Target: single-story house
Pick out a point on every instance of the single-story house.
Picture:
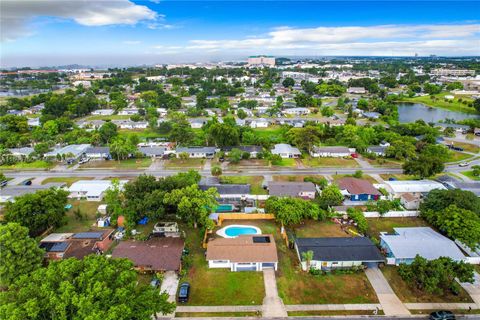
(333, 152)
(91, 124)
(356, 90)
(33, 122)
(103, 112)
(75, 151)
(413, 186)
(358, 189)
(128, 112)
(21, 152)
(157, 254)
(259, 123)
(296, 111)
(197, 152)
(410, 201)
(252, 150)
(406, 243)
(305, 190)
(153, 151)
(129, 124)
(243, 253)
(334, 253)
(286, 151)
(372, 115)
(229, 191)
(92, 190)
(98, 153)
(85, 243)
(197, 123)
(55, 245)
(377, 150)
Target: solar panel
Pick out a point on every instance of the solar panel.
(87, 235)
(261, 239)
(54, 246)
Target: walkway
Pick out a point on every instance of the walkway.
(473, 289)
(218, 309)
(364, 164)
(272, 304)
(391, 304)
(331, 307)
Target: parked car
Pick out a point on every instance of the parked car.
(84, 160)
(184, 292)
(442, 315)
(3, 183)
(463, 164)
(27, 182)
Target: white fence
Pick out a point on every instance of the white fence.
(392, 214)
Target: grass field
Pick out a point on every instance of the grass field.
(470, 175)
(286, 162)
(119, 165)
(215, 314)
(440, 102)
(35, 165)
(333, 313)
(187, 163)
(407, 293)
(67, 180)
(294, 178)
(330, 162)
(466, 146)
(377, 225)
(251, 163)
(88, 210)
(398, 176)
(382, 162)
(364, 177)
(455, 156)
(314, 229)
(275, 133)
(254, 181)
(219, 286)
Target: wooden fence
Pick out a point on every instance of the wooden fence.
(244, 216)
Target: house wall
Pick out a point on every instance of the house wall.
(307, 194)
(363, 197)
(236, 266)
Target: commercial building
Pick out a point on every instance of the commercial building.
(261, 61)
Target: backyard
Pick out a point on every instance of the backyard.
(81, 217)
(377, 225)
(406, 293)
(313, 229)
(254, 181)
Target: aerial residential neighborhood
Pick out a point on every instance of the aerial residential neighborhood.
(239, 160)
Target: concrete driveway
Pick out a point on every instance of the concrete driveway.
(170, 285)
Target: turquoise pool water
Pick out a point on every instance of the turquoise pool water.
(236, 231)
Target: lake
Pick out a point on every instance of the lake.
(411, 112)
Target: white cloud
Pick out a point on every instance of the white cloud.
(357, 40)
(131, 42)
(16, 14)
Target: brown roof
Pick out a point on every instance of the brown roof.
(243, 249)
(158, 254)
(291, 189)
(409, 196)
(357, 186)
(80, 249)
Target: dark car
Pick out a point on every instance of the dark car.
(3, 183)
(442, 315)
(27, 182)
(184, 292)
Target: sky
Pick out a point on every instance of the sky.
(130, 32)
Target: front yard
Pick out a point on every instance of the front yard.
(113, 164)
(294, 178)
(67, 180)
(407, 293)
(35, 165)
(187, 163)
(377, 225)
(330, 162)
(383, 162)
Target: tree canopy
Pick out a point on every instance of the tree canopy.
(293, 210)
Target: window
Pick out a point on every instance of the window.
(220, 261)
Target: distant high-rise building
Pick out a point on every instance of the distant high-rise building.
(261, 61)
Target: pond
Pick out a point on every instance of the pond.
(411, 112)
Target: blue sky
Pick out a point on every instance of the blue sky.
(128, 32)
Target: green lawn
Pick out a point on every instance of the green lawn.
(377, 225)
(254, 181)
(383, 162)
(470, 175)
(364, 177)
(123, 164)
(294, 178)
(251, 163)
(456, 156)
(211, 287)
(187, 163)
(407, 293)
(333, 313)
(286, 162)
(466, 146)
(143, 134)
(440, 102)
(88, 210)
(314, 229)
(67, 180)
(330, 162)
(398, 176)
(275, 132)
(38, 164)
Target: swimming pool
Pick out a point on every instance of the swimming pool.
(236, 230)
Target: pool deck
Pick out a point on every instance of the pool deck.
(222, 232)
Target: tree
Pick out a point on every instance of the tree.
(456, 223)
(476, 170)
(121, 148)
(38, 211)
(19, 253)
(288, 82)
(183, 156)
(436, 276)
(241, 114)
(290, 211)
(360, 220)
(476, 104)
(193, 205)
(108, 131)
(358, 174)
(95, 287)
(181, 131)
(308, 257)
(423, 166)
(223, 134)
(235, 155)
(216, 171)
(331, 196)
(437, 200)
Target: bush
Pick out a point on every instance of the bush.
(360, 220)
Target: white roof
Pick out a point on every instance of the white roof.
(56, 237)
(417, 186)
(92, 188)
(285, 148)
(75, 149)
(431, 245)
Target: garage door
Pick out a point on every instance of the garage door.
(246, 267)
(268, 265)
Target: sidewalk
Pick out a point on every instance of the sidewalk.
(320, 307)
(391, 304)
(272, 304)
(473, 289)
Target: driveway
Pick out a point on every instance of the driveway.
(391, 304)
(272, 304)
(170, 285)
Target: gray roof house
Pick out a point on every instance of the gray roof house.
(332, 253)
(304, 190)
(406, 243)
(98, 152)
(286, 151)
(152, 151)
(75, 150)
(377, 150)
(231, 191)
(21, 152)
(197, 152)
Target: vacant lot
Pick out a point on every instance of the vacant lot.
(113, 164)
(81, 217)
(377, 225)
(330, 162)
(67, 180)
(254, 181)
(365, 177)
(187, 163)
(35, 165)
(251, 163)
(219, 286)
(406, 293)
(286, 162)
(314, 229)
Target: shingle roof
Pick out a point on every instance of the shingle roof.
(357, 186)
(97, 150)
(340, 249)
(242, 249)
(195, 149)
(157, 253)
(291, 189)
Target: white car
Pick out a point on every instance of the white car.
(463, 164)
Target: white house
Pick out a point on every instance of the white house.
(197, 123)
(413, 186)
(243, 253)
(103, 112)
(128, 112)
(356, 90)
(296, 111)
(332, 152)
(129, 124)
(91, 190)
(197, 152)
(259, 123)
(286, 151)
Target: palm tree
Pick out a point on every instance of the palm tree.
(308, 257)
